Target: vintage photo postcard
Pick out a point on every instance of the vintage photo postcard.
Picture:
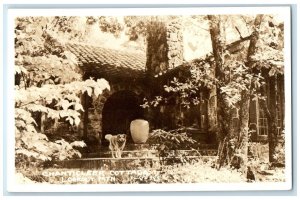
(185, 99)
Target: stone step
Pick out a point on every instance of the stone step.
(132, 146)
(153, 153)
(133, 163)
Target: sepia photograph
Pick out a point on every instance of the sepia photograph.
(152, 99)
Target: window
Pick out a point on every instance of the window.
(278, 115)
(212, 111)
(262, 123)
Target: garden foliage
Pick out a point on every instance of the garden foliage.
(48, 86)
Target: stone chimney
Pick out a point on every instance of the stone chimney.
(164, 46)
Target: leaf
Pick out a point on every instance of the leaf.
(53, 114)
(64, 113)
(65, 104)
(89, 91)
(78, 106)
(20, 124)
(77, 121)
(103, 84)
(44, 158)
(62, 157)
(71, 121)
(97, 91)
(90, 82)
(78, 144)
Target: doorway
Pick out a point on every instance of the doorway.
(119, 110)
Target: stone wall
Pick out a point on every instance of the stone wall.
(95, 108)
(164, 52)
(164, 46)
(174, 44)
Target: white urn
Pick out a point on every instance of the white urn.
(139, 130)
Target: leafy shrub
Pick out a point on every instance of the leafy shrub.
(31, 143)
(168, 142)
(48, 85)
(35, 149)
(171, 140)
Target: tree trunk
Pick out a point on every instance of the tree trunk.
(223, 111)
(272, 122)
(269, 108)
(245, 98)
(244, 128)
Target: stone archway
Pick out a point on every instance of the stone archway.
(118, 111)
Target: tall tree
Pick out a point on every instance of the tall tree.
(233, 89)
(224, 119)
(246, 92)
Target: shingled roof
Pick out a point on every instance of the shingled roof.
(108, 62)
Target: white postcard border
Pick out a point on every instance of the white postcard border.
(9, 99)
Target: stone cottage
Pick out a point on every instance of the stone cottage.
(131, 77)
(134, 77)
